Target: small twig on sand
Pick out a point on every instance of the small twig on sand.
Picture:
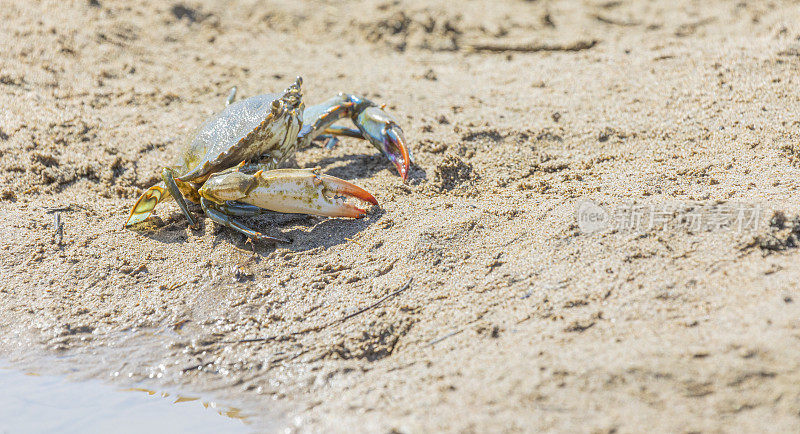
(533, 47)
(59, 225)
(58, 209)
(372, 306)
(449, 335)
(334, 322)
(614, 21)
(58, 237)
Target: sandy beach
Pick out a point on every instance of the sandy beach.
(599, 232)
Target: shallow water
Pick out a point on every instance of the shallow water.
(32, 403)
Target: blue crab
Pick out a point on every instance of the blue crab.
(230, 166)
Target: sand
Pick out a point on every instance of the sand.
(516, 318)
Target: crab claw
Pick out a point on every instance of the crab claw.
(382, 131)
(302, 191)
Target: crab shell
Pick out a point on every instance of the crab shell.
(265, 126)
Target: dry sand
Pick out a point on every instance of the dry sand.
(516, 319)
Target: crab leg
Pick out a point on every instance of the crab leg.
(215, 213)
(331, 133)
(239, 209)
(146, 203)
(168, 188)
(338, 130)
(168, 176)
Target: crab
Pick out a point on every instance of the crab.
(231, 165)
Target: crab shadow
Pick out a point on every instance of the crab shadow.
(324, 232)
(359, 166)
(305, 232)
(352, 166)
(173, 229)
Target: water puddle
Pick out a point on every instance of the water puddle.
(45, 403)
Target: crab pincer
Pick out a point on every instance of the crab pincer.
(302, 191)
(382, 131)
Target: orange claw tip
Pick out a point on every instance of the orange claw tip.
(402, 169)
(358, 213)
(343, 210)
(369, 198)
(398, 153)
(347, 188)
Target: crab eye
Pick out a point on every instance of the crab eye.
(277, 105)
(295, 87)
